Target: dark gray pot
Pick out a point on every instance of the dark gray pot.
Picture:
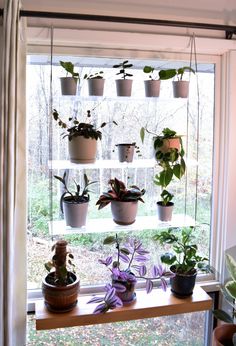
(180, 88)
(96, 86)
(152, 88)
(75, 213)
(68, 85)
(182, 285)
(125, 151)
(164, 212)
(124, 87)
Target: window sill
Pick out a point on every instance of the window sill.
(155, 304)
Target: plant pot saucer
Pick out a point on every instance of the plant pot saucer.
(123, 223)
(71, 307)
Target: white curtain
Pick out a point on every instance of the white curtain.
(12, 179)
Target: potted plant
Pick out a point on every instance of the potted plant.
(225, 334)
(82, 137)
(60, 287)
(180, 87)
(124, 201)
(121, 290)
(74, 205)
(95, 83)
(124, 86)
(183, 261)
(69, 83)
(126, 151)
(169, 153)
(152, 85)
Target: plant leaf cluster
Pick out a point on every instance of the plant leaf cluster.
(119, 192)
(69, 67)
(80, 195)
(184, 257)
(61, 262)
(123, 67)
(76, 128)
(96, 75)
(171, 73)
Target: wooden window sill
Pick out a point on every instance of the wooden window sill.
(155, 304)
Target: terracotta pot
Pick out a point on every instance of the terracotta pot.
(82, 150)
(180, 88)
(182, 285)
(124, 87)
(68, 85)
(96, 86)
(152, 88)
(75, 213)
(164, 212)
(125, 151)
(170, 143)
(124, 213)
(223, 334)
(129, 295)
(60, 298)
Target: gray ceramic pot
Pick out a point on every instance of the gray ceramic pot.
(152, 88)
(180, 88)
(124, 213)
(68, 85)
(125, 151)
(75, 213)
(124, 87)
(164, 212)
(96, 86)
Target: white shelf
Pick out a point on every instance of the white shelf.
(108, 225)
(98, 164)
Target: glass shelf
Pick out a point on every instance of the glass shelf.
(105, 225)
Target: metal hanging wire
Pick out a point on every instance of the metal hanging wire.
(50, 130)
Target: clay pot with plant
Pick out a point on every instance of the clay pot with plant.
(153, 83)
(82, 137)
(183, 259)
(124, 85)
(126, 268)
(95, 83)
(60, 287)
(225, 334)
(70, 82)
(180, 87)
(74, 205)
(123, 200)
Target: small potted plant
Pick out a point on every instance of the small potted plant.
(126, 151)
(60, 287)
(183, 261)
(225, 334)
(82, 137)
(74, 205)
(152, 85)
(180, 87)
(69, 83)
(95, 83)
(121, 290)
(124, 201)
(124, 86)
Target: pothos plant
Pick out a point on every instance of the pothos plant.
(172, 161)
(69, 68)
(123, 66)
(76, 128)
(134, 256)
(61, 260)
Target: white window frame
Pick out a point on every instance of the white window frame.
(143, 45)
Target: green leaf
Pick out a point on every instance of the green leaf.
(230, 288)
(148, 69)
(142, 134)
(168, 258)
(124, 251)
(177, 170)
(231, 266)
(48, 266)
(167, 74)
(109, 240)
(223, 316)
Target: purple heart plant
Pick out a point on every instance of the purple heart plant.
(121, 290)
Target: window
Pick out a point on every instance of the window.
(48, 152)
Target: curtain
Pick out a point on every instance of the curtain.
(12, 179)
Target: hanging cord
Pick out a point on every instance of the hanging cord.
(50, 175)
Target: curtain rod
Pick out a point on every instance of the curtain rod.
(228, 29)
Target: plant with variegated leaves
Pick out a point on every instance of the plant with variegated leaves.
(134, 256)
